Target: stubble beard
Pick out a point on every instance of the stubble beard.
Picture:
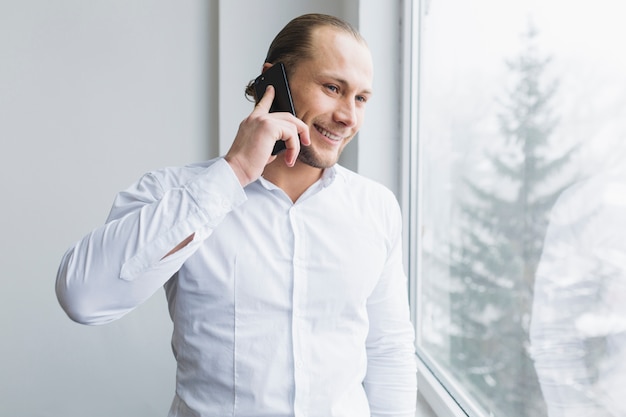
(309, 157)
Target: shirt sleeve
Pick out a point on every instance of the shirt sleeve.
(121, 264)
(391, 380)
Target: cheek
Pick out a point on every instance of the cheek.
(305, 102)
(345, 143)
(359, 123)
(360, 116)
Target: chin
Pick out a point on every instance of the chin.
(309, 157)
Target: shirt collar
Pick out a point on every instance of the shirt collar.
(327, 178)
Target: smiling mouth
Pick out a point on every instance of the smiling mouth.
(328, 134)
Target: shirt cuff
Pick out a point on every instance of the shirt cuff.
(217, 191)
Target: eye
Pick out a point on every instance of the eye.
(361, 99)
(332, 87)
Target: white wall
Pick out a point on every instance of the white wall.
(92, 95)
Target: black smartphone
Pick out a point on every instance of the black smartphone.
(277, 77)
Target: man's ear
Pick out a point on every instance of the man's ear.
(266, 66)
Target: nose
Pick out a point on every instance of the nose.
(346, 112)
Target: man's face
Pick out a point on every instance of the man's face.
(329, 93)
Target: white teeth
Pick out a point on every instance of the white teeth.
(328, 134)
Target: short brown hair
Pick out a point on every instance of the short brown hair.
(293, 43)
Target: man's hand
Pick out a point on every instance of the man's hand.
(252, 148)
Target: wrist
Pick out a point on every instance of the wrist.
(239, 170)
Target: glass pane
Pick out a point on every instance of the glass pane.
(522, 225)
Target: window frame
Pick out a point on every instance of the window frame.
(446, 398)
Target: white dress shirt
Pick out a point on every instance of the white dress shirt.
(279, 308)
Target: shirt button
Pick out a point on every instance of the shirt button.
(299, 364)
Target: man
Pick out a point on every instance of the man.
(283, 274)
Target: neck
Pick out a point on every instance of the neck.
(294, 181)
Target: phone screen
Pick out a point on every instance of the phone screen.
(277, 77)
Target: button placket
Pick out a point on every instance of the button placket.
(298, 313)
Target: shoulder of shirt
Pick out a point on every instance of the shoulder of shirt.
(362, 183)
(371, 199)
(367, 193)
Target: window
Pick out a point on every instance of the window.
(517, 205)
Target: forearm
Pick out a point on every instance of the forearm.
(122, 263)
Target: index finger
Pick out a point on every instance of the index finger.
(265, 103)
